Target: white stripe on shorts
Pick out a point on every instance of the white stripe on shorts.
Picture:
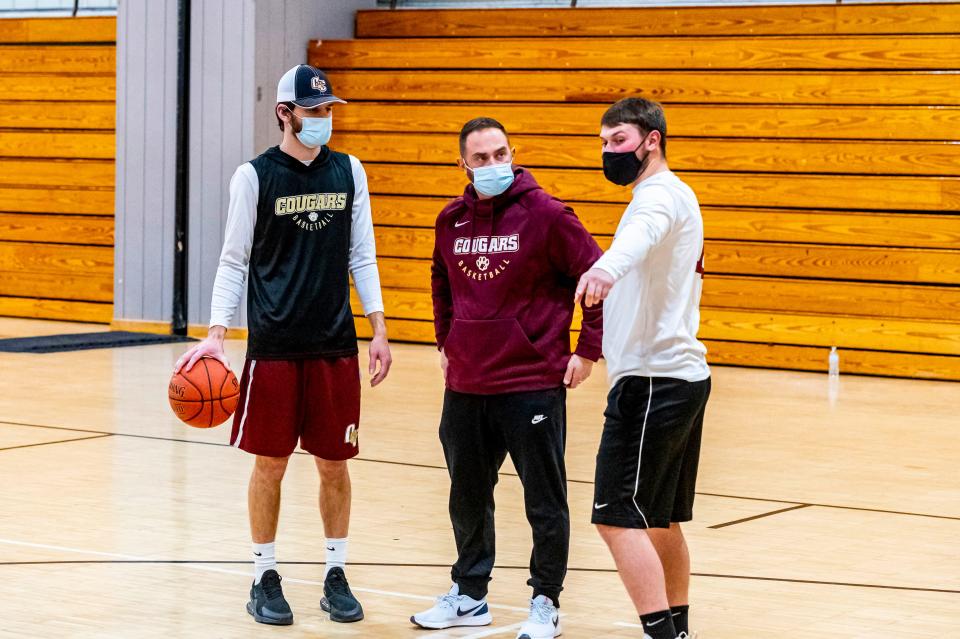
(246, 403)
(636, 484)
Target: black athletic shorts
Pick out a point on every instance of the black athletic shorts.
(647, 463)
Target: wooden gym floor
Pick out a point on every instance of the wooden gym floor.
(822, 510)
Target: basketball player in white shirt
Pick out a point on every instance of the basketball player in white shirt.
(650, 281)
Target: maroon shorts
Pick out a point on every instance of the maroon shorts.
(315, 401)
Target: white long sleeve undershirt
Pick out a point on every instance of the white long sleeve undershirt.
(238, 240)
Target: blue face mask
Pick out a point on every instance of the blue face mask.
(492, 180)
(315, 132)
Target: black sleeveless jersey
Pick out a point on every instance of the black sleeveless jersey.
(298, 298)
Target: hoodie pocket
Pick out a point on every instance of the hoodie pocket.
(487, 350)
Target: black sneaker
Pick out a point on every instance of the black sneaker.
(267, 604)
(338, 600)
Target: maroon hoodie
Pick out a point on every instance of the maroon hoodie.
(504, 274)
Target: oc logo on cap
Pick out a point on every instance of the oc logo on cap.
(307, 87)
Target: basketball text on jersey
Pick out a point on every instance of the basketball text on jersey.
(312, 211)
(481, 268)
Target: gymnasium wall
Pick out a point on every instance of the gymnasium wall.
(56, 168)
(283, 28)
(222, 128)
(221, 134)
(239, 50)
(823, 142)
(146, 126)
(274, 34)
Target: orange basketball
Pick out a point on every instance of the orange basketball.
(206, 395)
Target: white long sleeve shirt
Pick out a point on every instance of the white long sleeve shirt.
(238, 239)
(652, 314)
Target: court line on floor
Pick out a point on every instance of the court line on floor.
(376, 564)
(760, 516)
(817, 582)
(430, 466)
(244, 573)
(477, 635)
(59, 441)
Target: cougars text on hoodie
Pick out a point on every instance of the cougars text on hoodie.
(503, 277)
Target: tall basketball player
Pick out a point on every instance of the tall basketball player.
(650, 448)
(299, 223)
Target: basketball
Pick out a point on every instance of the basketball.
(206, 395)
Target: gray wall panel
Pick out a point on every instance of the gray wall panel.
(158, 146)
(221, 133)
(146, 119)
(283, 30)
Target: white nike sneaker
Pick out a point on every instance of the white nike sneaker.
(543, 622)
(454, 609)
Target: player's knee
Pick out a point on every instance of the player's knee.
(332, 471)
(271, 469)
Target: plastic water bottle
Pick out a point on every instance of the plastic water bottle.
(833, 361)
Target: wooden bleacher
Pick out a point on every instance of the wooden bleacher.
(57, 102)
(823, 142)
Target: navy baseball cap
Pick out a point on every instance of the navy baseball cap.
(306, 86)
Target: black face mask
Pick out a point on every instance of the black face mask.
(624, 167)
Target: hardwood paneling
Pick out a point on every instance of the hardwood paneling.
(58, 30)
(816, 330)
(69, 59)
(782, 356)
(759, 258)
(766, 326)
(814, 358)
(905, 193)
(771, 225)
(58, 144)
(941, 88)
(44, 200)
(57, 173)
(93, 261)
(692, 120)
(62, 229)
(52, 87)
(22, 283)
(57, 115)
(696, 154)
(865, 299)
(666, 21)
(54, 309)
(815, 52)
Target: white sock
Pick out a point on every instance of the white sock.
(336, 554)
(264, 559)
